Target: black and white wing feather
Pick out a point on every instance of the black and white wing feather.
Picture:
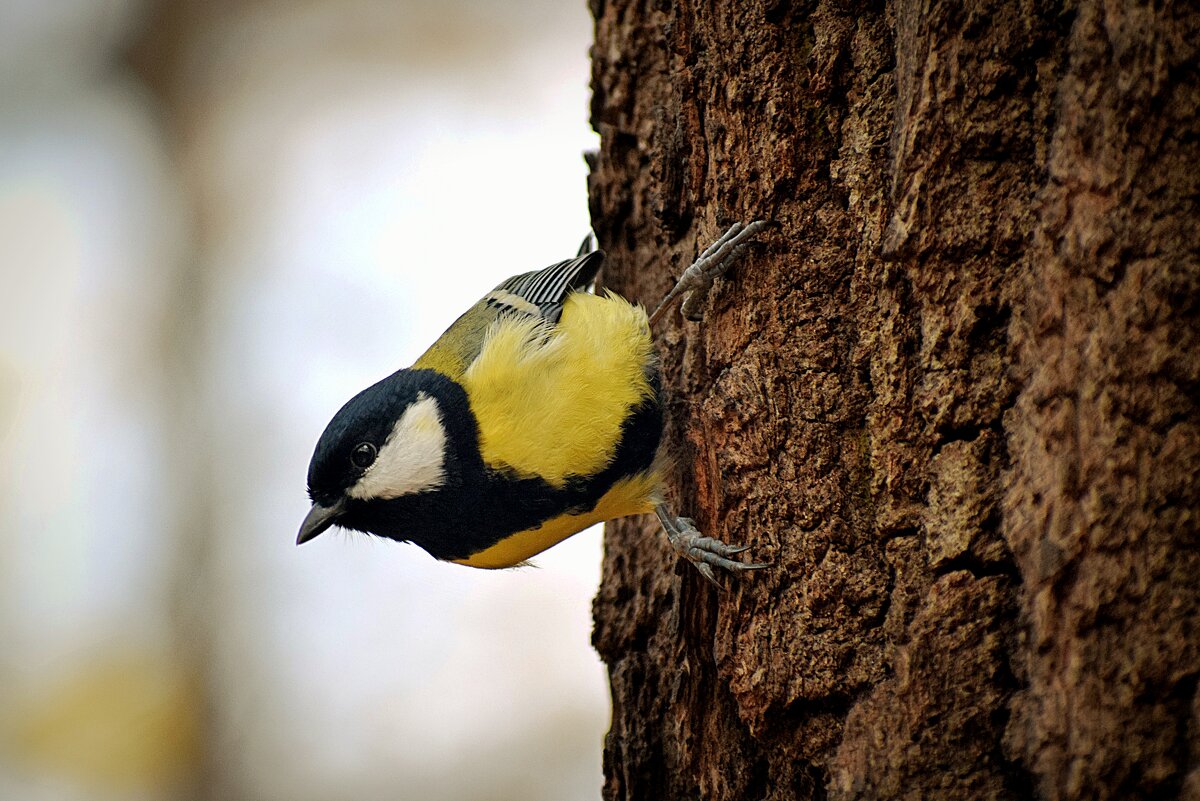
(547, 289)
(539, 294)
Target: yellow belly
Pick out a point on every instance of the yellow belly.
(629, 496)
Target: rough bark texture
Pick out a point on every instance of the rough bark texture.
(953, 395)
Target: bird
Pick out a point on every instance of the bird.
(538, 413)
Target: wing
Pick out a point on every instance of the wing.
(536, 296)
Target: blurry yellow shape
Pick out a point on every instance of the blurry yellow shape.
(124, 724)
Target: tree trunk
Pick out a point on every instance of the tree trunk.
(953, 396)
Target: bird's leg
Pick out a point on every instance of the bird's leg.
(703, 552)
(713, 262)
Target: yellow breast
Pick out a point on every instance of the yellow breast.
(551, 400)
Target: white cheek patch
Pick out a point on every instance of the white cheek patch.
(413, 457)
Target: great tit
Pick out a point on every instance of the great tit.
(535, 415)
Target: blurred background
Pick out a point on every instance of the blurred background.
(218, 221)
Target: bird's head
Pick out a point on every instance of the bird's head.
(388, 442)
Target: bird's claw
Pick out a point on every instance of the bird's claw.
(702, 551)
(698, 279)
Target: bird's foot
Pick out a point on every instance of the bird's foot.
(703, 552)
(698, 279)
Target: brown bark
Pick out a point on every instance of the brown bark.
(953, 396)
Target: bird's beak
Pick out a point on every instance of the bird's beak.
(318, 519)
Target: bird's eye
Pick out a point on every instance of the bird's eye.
(363, 455)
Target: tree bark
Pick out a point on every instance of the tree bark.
(952, 395)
